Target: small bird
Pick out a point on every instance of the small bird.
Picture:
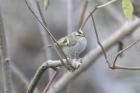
(73, 44)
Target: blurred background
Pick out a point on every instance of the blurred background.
(25, 46)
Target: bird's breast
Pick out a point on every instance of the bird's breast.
(77, 49)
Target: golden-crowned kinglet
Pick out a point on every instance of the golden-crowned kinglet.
(73, 44)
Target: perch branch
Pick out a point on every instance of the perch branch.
(48, 64)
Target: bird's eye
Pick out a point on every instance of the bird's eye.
(66, 42)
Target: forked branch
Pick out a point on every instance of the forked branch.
(113, 66)
(96, 7)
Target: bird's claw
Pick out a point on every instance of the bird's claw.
(75, 64)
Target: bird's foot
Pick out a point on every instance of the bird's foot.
(75, 64)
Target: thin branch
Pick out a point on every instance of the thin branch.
(43, 33)
(126, 68)
(69, 16)
(40, 13)
(48, 64)
(119, 19)
(118, 54)
(50, 82)
(92, 56)
(106, 4)
(98, 41)
(114, 12)
(4, 58)
(51, 36)
(96, 8)
(83, 14)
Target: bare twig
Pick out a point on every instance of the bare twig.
(4, 58)
(40, 13)
(91, 57)
(106, 4)
(118, 54)
(50, 82)
(82, 14)
(98, 41)
(114, 12)
(43, 33)
(119, 19)
(96, 8)
(69, 16)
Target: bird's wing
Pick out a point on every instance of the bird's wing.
(67, 41)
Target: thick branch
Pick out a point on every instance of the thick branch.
(91, 57)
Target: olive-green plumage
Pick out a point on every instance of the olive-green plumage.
(73, 44)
